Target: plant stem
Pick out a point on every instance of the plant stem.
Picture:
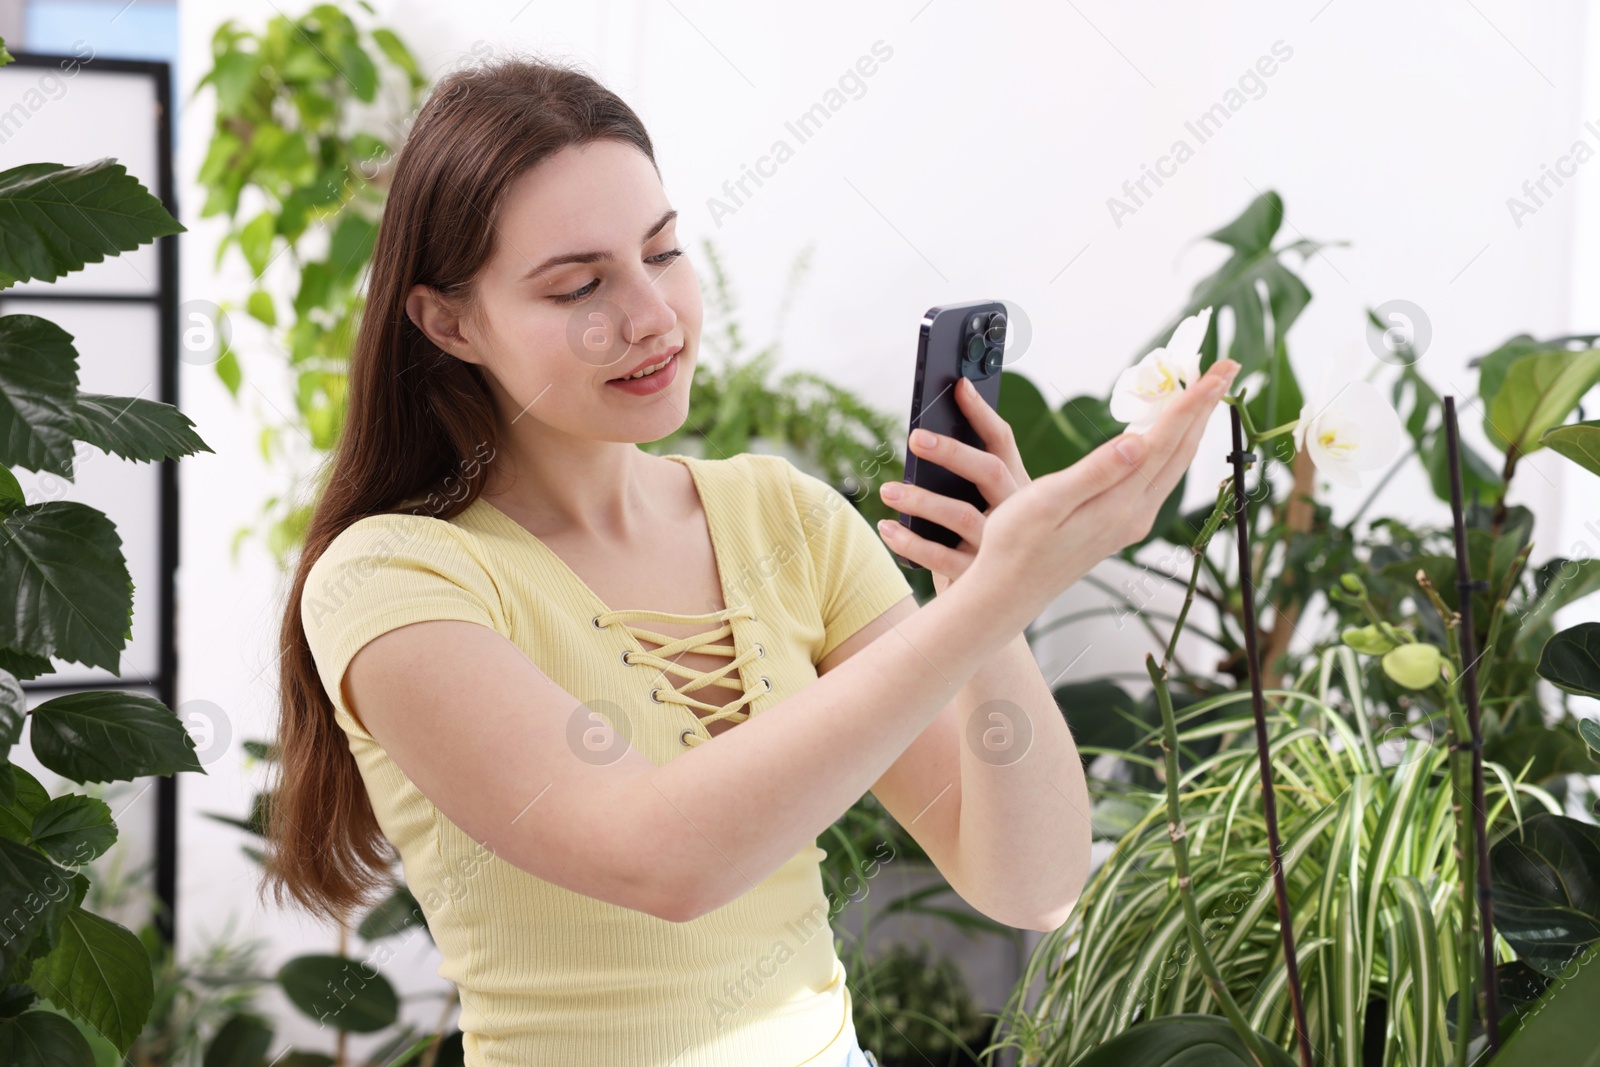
(1180, 858)
(1269, 806)
(1469, 681)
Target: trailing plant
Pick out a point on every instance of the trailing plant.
(66, 972)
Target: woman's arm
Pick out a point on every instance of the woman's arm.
(482, 732)
(1000, 805)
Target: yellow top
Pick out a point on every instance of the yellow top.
(546, 975)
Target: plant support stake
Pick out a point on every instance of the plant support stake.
(1269, 805)
(1469, 681)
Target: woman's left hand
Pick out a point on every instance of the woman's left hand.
(996, 470)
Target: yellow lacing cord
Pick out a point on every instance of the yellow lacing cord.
(663, 659)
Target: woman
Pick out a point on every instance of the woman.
(517, 645)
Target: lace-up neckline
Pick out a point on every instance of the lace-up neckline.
(664, 659)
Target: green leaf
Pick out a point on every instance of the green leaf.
(1236, 284)
(228, 370)
(261, 308)
(11, 494)
(38, 386)
(397, 52)
(1569, 580)
(350, 246)
(43, 1039)
(142, 430)
(357, 67)
(1564, 1029)
(1519, 988)
(1571, 659)
(55, 219)
(18, 810)
(1589, 730)
(106, 736)
(13, 713)
(61, 566)
(99, 973)
(74, 829)
(1478, 478)
(7, 57)
(234, 76)
(1546, 885)
(1546, 752)
(1578, 441)
(1539, 392)
(35, 894)
(364, 1002)
(242, 1041)
(255, 241)
(1180, 1041)
(398, 912)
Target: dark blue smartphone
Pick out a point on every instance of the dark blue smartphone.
(956, 341)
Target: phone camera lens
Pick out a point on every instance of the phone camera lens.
(997, 328)
(976, 349)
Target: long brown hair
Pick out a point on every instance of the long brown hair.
(417, 422)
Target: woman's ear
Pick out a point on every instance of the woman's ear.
(440, 323)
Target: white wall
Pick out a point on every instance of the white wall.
(978, 163)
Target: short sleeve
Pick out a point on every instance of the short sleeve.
(854, 575)
(383, 572)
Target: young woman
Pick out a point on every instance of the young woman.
(601, 703)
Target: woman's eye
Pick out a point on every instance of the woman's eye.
(577, 294)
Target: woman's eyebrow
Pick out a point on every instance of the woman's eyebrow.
(596, 257)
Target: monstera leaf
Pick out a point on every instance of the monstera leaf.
(1180, 1041)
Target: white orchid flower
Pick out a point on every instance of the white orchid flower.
(1354, 431)
(1143, 391)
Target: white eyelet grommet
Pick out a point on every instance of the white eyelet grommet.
(625, 654)
(653, 696)
(760, 652)
(683, 738)
(596, 621)
(768, 682)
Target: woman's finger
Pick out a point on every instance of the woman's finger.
(1112, 464)
(1193, 406)
(998, 437)
(941, 559)
(1165, 480)
(955, 515)
(985, 470)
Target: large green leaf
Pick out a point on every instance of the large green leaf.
(1237, 283)
(38, 390)
(99, 973)
(55, 218)
(1546, 884)
(1546, 752)
(1180, 1041)
(1578, 441)
(69, 593)
(109, 736)
(1571, 659)
(25, 801)
(1044, 440)
(34, 896)
(135, 429)
(74, 829)
(43, 1039)
(364, 1002)
(1539, 391)
(1563, 1028)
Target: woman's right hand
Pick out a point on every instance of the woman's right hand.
(1047, 535)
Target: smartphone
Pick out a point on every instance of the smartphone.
(955, 341)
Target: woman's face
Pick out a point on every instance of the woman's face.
(587, 282)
